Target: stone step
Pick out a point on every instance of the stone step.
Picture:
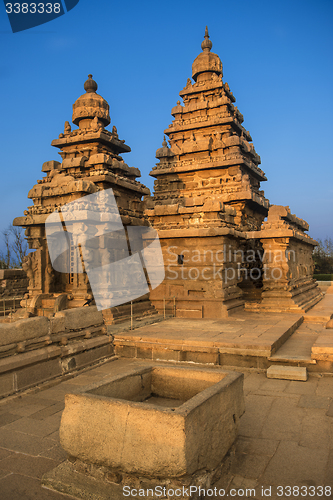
(322, 349)
(287, 372)
(296, 350)
(321, 312)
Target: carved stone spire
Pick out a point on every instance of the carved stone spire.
(206, 44)
(206, 63)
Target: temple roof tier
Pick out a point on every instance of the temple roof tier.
(205, 122)
(86, 136)
(214, 84)
(194, 166)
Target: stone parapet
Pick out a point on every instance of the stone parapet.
(62, 329)
(29, 369)
(13, 283)
(35, 350)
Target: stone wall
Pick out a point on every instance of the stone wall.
(13, 283)
(200, 274)
(38, 349)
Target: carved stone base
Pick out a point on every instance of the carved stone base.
(121, 313)
(297, 298)
(90, 482)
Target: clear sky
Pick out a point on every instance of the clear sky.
(277, 60)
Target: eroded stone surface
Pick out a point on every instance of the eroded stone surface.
(111, 425)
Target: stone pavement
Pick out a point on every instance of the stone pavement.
(285, 437)
(175, 339)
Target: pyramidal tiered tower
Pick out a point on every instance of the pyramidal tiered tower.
(211, 154)
(207, 205)
(91, 162)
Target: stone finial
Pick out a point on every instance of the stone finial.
(164, 151)
(207, 64)
(90, 85)
(206, 44)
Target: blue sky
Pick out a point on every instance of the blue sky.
(277, 60)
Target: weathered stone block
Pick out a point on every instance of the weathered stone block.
(202, 357)
(162, 422)
(189, 313)
(163, 354)
(90, 356)
(287, 372)
(7, 384)
(81, 317)
(32, 375)
(23, 329)
(57, 324)
(125, 351)
(50, 165)
(144, 352)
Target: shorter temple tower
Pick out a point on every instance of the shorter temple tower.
(91, 163)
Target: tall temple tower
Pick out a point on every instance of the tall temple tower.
(211, 154)
(207, 206)
(91, 162)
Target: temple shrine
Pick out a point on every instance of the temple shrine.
(209, 210)
(225, 248)
(91, 163)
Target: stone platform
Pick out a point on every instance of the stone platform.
(285, 422)
(247, 339)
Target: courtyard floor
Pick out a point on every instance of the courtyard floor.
(285, 436)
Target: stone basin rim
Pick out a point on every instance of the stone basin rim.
(183, 409)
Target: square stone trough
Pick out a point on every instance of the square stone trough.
(155, 421)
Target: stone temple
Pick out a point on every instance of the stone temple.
(91, 162)
(225, 247)
(208, 207)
